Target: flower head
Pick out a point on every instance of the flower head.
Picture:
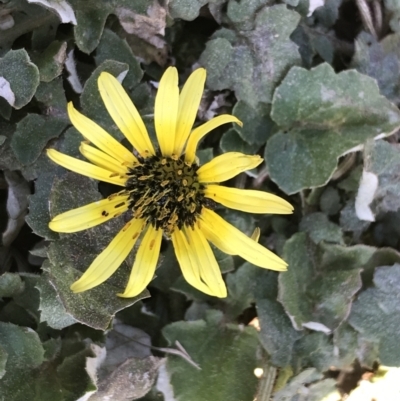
(168, 193)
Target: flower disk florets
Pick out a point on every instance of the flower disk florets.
(165, 191)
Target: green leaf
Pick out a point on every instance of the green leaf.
(277, 334)
(91, 17)
(315, 350)
(73, 254)
(376, 313)
(29, 298)
(323, 389)
(35, 130)
(257, 124)
(25, 352)
(328, 14)
(383, 160)
(317, 294)
(351, 182)
(3, 361)
(24, 18)
(52, 311)
(323, 115)
(346, 343)
(51, 96)
(128, 370)
(10, 285)
(146, 16)
(330, 201)
(232, 142)
(205, 155)
(39, 217)
(299, 275)
(350, 222)
(32, 134)
(19, 78)
(393, 9)
(368, 352)
(242, 13)
(246, 285)
(17, 204)
(379, 60)
(8, 161)
(51, 61)
(298, 385)
(216, 348)
(319, 228)
(216, 58)
(67, 373)
(253, 62)
(74, 373)
(112, 47)
(60, 7)
(187, 10)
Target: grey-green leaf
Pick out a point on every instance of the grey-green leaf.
(323, 115)
(10, 285)
(186, 9)
(51, 61)
(25, 352)
(376, 313)
(319, 228)
(383, 160)
(52, 311)
(216, 348)
(253, 62)
(257, 124)
(314, 293)
(32, 134)
(277, 334)
(19, 78)
(112, 47)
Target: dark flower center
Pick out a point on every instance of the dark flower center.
(166, 192)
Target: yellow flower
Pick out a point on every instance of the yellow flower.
(168, 193)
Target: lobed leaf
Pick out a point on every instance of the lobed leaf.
(322, 116)
(216, 348)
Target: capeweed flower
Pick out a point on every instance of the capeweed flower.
(168, 193)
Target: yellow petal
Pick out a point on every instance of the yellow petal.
(90, 215)
(111, 258)
(255, 236)
(210, 272)
(189, 102)
(189, 267)
(226, 166)
(239, 243)
(214, 237)
(84, 168)
(166, 110)
(248, 200)
(145, 263)
(124, 113)
(102, 159)
(99, 137)
(199, 132)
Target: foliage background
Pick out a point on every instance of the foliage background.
(317, 87)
